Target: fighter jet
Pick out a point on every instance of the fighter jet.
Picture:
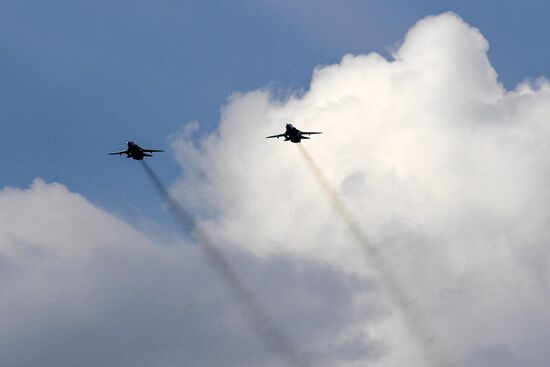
(293, 134)
(136, 152)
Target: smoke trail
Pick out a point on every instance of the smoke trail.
(398, 296)
(273, 339)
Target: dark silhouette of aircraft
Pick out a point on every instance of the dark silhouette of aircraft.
(293, 134)
(136, 152)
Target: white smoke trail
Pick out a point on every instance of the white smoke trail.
(398, 296)
(271, 336)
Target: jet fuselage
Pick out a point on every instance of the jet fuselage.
(292, 134)
(136, 152)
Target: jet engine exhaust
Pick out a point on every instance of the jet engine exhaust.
(397, 295)
(272, 337)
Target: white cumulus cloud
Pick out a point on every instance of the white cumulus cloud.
(80, 287)
(442, 168)
(437, 168)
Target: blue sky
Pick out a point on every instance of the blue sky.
(79, 78)
(411, 232)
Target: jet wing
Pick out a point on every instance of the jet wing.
(152, 150)
(310, 132)
(275, 136)
(120, 152)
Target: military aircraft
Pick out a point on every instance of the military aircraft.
(293, 134)
(136, 152)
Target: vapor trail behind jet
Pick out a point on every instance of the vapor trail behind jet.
(273, 338)
(397, 295)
